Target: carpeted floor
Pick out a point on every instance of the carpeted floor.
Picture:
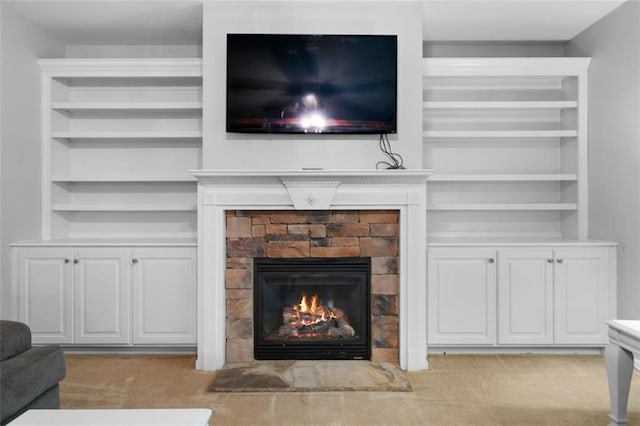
(457, 390)
(310, 376)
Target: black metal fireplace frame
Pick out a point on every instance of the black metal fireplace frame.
(305, 350)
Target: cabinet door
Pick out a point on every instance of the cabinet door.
(461, 296)
(45, 293)
(582, 295)
(102, 302)
(525, 296)
(164, 296)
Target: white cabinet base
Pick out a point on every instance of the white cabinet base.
(461, 296)
(106, 294)
(101, 295)
(44, 285)
(545, 295)
(164, 296)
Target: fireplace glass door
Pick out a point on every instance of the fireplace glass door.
(312, 308)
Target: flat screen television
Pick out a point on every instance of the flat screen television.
(285, 83)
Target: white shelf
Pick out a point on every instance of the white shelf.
(123, 208)
(507, 140)
(505, 207)
(499, 133)
(127, 106)
(186, 134)
(499, 104)
(119, 139)
(109, 242)
(124, 179)
(503, 177)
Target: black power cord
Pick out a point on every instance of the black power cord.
(395, 159)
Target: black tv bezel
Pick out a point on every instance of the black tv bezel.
(393, 130)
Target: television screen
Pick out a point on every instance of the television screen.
(311, 83)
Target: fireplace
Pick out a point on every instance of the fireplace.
(312, 308)
(225, 265)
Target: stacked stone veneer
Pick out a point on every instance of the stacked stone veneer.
(317, 234)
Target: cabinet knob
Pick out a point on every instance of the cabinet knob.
(490, 260)
(550, 260)
(67, 260)
(560, 260)
(134, 260)
(76, 261)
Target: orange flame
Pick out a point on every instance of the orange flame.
(304, 306)
(314, 309)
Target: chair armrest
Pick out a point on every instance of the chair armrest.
(15, 338)
(24, 377)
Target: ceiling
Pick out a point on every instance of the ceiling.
(511, 20)
(179, 22)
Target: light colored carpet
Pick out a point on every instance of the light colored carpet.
(456, 390)
(310, 376)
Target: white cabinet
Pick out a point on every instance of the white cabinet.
(461, 296)
(101, 295)
(164, 296)
(525, 296)
(562, 296)
(45, 293)
(119, 137)
(507, 139)
(528, 296)
(583, 299)
(105, 295)
(71, 295)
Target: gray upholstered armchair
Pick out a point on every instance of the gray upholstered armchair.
(28, 376)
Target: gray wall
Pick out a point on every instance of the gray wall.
(223, 150)
(614, 141)
(491, 49)
(21, 45)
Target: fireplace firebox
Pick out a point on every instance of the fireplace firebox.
(312, 308)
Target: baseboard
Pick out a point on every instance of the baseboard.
(441, 350)
(130, 350)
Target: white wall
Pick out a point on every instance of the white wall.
(614, 141)
(4, 313)
(22, 44)
(232, 151)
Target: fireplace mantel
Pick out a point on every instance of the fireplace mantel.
(223, 190)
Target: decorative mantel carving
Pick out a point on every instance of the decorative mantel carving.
(311, 195)
(223, 190)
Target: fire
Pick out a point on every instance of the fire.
(304, 307)
(311, 314)
(309, 319)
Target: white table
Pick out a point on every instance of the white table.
(100, 417)
(624, 338)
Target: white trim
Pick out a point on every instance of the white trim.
(219, 191)
(504, 66)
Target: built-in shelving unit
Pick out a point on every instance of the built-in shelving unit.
(119, 137)
(507, 140)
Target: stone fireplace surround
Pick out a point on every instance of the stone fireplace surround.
(300, 234)
(223, 191)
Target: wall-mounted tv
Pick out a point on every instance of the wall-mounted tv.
(285, 83)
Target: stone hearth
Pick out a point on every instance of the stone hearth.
(312, 234)
(222, 193)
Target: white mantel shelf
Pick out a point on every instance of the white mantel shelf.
(327, 189)
(314, 175)
(389, 173)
